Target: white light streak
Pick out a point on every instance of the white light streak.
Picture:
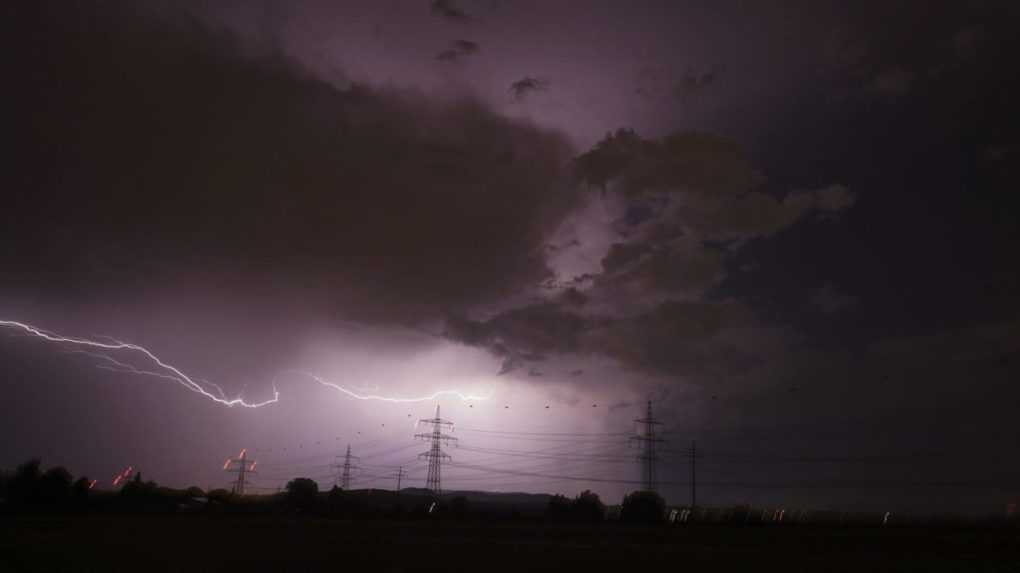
(398, 400)
(169, 370)
(166, 371)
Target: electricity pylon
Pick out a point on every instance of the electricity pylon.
(692, 454)
(435, 454)
(648, 457)
(401, 474)
(344, 470)
(243, 467)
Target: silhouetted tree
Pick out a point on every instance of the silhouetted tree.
(194, 491)
(136, 487)
(558, 508)
(23, 487)
(80, 491)
(220, 495)
(643, 507)
(588, 507)
(301, 492)
(55, 486)
(335, 500)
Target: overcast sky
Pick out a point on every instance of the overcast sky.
(793, 229)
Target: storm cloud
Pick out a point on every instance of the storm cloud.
(154, 151)
(684, 204)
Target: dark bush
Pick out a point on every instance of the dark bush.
(588, 507)
(301, 492)
(643, 507)
(558, 508)
(55, 486)
(24, 485)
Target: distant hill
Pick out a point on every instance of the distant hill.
(493, 497)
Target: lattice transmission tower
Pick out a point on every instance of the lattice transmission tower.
(400, 474)
(343, 478)
(435, 454)
(648, 457)
(243, 467)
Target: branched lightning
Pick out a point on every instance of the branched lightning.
(114, 365)
(166, 371)
(169, 371)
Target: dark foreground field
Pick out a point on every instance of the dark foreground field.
(192, 543)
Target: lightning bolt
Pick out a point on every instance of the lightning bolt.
(168, 370)
(429, 398)
(200, 386)
(114, 365)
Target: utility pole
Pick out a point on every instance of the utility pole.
(400, 475)
(243, 467)
(694, 474)
(435, 454)
(648, 456)
(343, 478)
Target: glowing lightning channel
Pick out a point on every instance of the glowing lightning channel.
(435, 395)
(124, 368)
(181, 378)
(172, 373)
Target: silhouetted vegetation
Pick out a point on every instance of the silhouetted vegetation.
(33, 489)
(29, 487)
(586, 507)
(643, 507)
(301, 493)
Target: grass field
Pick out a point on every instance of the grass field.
(221, 543)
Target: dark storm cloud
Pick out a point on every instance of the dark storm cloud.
(891, 83)
(690, 201)
(449, 10)
(527, 85)
(693, 84)
(934, 382)
(458, 49)
(708, 186)
(466, 46)
(828, 299)
(152, 153)
(718, 343)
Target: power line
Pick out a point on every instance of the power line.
(577, 434)
(554, 456)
